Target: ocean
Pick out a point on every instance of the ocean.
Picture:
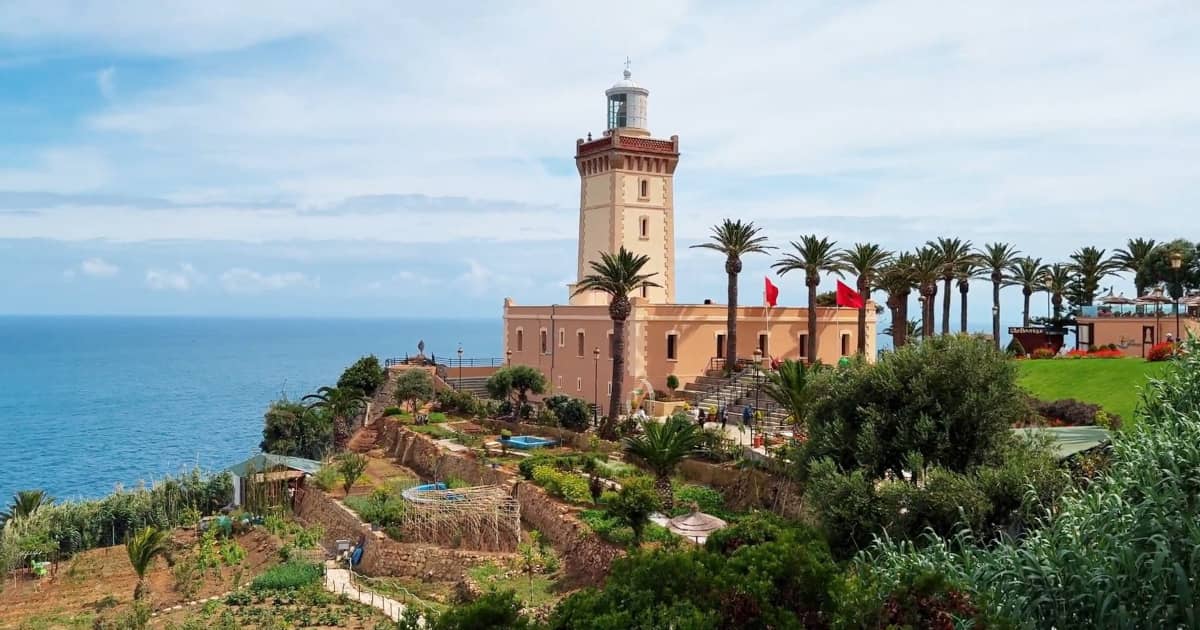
(87, 403)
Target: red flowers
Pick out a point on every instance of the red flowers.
(1161, 351)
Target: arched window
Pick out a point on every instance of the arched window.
(544, 341)
(644, 228)
(520, 340)
(645, 189)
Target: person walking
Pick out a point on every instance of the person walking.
(701, 417)
(746, 415)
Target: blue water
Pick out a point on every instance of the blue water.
(90, 402)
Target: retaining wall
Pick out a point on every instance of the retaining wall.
(746, 489)
(383, 556)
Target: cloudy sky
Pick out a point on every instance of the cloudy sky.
(359, 158)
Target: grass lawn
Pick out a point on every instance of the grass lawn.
(1114, 384)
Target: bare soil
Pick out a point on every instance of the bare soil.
(82, 584)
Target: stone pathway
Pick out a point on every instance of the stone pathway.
(338, 581)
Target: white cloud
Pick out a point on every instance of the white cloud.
(105, 82)
(241, 280)
(477, 279)
(98, 268)
(182, 279)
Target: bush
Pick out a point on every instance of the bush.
(366, 375)
(756, 529)
(612, 529)
(634, 504)
(351, 467)
(706, 499)
(1042, 353)
(327, 476)
(461, 403)
(952, 400)
(492, 610)
(1067, 412)
(291, 575)
(672, 383)
(572, 413)
(1161, 351)
(294, 430)
(565, 485)
(383, 508)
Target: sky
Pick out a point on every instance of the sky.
(402, 159)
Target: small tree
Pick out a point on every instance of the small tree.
(292, 429)
(518, 380)
(789, 386)
(143, 547)
(351, 465)
(672, 384)
(634, 504)
(414, 387)
(366, 375)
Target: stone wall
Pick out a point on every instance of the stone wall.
(746, 489)
(586, 558)
(382, 555)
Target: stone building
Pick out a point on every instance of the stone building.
(627, 199)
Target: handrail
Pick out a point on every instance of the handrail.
(451, 362)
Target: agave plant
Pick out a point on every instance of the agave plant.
(661, 447)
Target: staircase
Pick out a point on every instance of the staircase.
(476, 385)
(716, 390)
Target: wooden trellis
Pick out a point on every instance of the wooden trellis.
(485, 518)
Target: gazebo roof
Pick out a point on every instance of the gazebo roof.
(695, 524)
(267, 461)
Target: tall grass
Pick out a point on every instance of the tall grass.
(1124, 553)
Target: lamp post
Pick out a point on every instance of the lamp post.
(508, 357)
(596, 387)
(757, 388)
(1176, 265)
(460, 351)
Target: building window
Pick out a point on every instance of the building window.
(616, 111)
(644, 189)
(544, 341)
(762, 344)
(644, 228)
(558, 383)
(610, 388)
(612, 346)
(672, 347)
(579, 344)
(562, 337)
(520, 340)
(845, 344)
(578, 384)
(803, 345)
(645, 290)
(721, 346)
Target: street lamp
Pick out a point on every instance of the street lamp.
(757, 388)
(460, 351)
(508, 356)
(1176, 265)
(596, 387)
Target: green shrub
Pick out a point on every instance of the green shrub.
(634, 504)
(290, 575)
(351, 467)
(458, 402)
(382, 508)
(706, 499)
(327, 476)
(366, 375)
(494, 609)
(293, 429)
(672, 382)
(565, 485)
(1117, 555)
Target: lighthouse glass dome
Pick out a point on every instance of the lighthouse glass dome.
(617, 113)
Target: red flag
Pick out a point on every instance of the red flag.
(848, 297)
(772, 292)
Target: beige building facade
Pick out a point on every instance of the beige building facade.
(627, 199)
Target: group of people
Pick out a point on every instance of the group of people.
(700, 416)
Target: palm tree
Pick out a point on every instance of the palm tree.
(25, 503)
(343, 405)
(618, 275)
(864, 260)
(1029, 274)
(954, 253)
(789, 386)
(896, 280)
(1058, 280)
(734, 239)
(996, 259)
(927, 268)
(813, 256)
(911, 328)
(967, 272)
(1088, 268)
(1132, 257)
(143, 547)
(661, 447)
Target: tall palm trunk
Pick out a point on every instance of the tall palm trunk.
(927, 323)
(665, 492)
(996, 278)
(945, 309)
(812, 281)
(864, 287)
(1025, 318)
(963, 288)
(903, 338)
(619, 311)
(733, 266)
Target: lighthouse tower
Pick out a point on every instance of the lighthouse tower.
(627, 193)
